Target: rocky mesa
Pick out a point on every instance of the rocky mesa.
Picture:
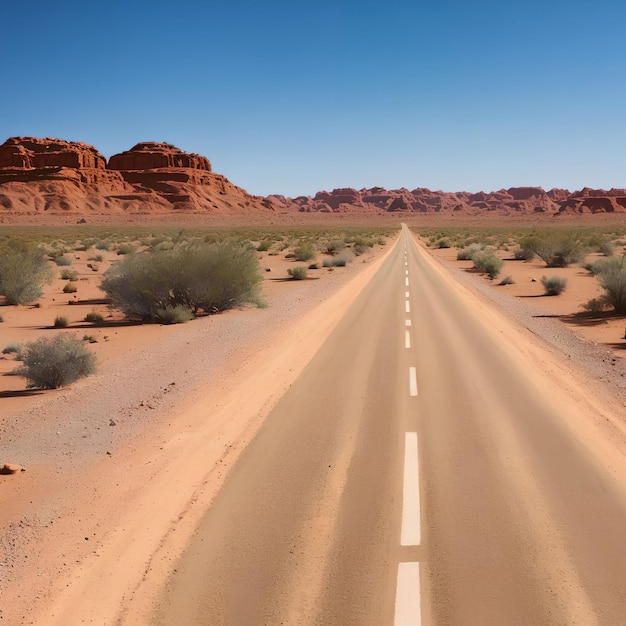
(73, 179)
(57, 177)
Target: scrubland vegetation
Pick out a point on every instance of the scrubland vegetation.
(157, 275)
(556, 247)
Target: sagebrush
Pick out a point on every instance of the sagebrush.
(50, 363)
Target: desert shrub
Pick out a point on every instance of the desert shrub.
(607, 248)
(23, 271)
(70, 275)
(358, 249)
(173, 314)
(90, 339)
(50, 363)
(612, 277)
(264, 246)
(69, 288)
(523, 253)
(60, 322)
(595, 305)
(304, 251)
(556, 249)
(103, 245)
(297, 273)
(466, 253)
(553, 285)
(96, 257)
(487, 262)
(202, 277)
(334, 246)
(126, 248)
(507, 280)
(340, 260)
(314, 266)
(12, 348)
(443, 243)
(63, 261)
(94, 318)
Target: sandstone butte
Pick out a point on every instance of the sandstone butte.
(72, 179)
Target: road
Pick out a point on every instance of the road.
(413, 474)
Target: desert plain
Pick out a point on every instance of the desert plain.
(116, 471)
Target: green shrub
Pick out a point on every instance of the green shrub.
(595, 305)
(63, 261)
(50, 363)
(126, 248)
(507, 280)
(264, 246)
(304, 251)
(94, 318)
(103, 245)
(556, 249)
(466, 253)
(487, 262)
(60, 322)
(173, 314)
(523, 253)
(297, 273)
(12, 348)
(553, 285)
(334, 246)
(70, 275)
(612, 277)
(202, 277)
(338, 261)
(443, 243)
(23, 272)
(69, 288)
(607, 248)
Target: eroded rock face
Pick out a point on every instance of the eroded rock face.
(152, 155)
(27, 153)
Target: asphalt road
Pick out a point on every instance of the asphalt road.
(411, 475)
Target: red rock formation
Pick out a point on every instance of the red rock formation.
(24, 153)
(150, 156)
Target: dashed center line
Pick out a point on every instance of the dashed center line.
(406, 281)
(406, 272)
(406, 294)
(407, 306)
(412, 381)
(407, 339)
(407, 323)
(410, 534)
(408, 607)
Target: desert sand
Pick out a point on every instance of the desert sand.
(120, 466)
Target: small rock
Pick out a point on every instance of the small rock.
(11, 468)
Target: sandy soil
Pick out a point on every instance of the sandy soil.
(120, 466)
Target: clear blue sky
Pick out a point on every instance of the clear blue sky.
(294, 97)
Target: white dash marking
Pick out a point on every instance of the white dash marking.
(407, 339)
(407, 306)
(406, 272)
(406, 294)
(410, 534)
(407, 323)
(406, 281)
(412, 381)
(408, 611)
